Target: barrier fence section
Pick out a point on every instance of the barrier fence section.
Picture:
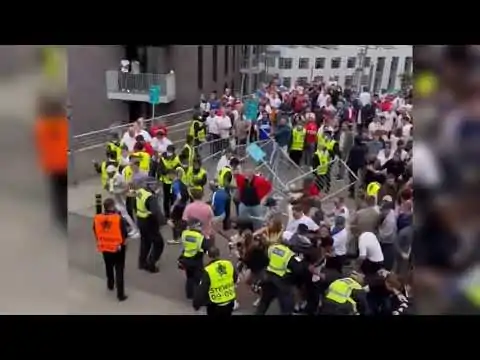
(91, 146)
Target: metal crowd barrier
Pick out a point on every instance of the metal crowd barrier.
(89, 146)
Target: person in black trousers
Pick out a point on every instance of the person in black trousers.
(148, 221)
(114, 260)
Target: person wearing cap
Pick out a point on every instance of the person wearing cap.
(168, 161)
(113, 146)
(197, 130)
(331, 145)
(346, 297)
(197, 176)
(339, 235)
(148, 220)
(102, 168)
(194, 245)
(216, 289)
(297, 144)
(282, 266)
(320, 162)
(189, 152)
(110, 231)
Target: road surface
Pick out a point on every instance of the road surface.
(161, 293)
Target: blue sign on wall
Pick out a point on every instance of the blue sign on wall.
(154, 94)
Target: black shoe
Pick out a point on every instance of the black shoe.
(122, 298)
(152, 269)
(110, 287)
(143, 267)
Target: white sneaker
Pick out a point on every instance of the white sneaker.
(134, 234)
(256, 302)
(236, 305)
(173, 242)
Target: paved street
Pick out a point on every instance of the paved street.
(160, 293)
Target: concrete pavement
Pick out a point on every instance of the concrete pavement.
(161, 293)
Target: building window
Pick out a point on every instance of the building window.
(270, 61)
(351, 62)
(232, 86)
(367, 62)
(303, 63)
(335, 63)
(200, 67)
(287, 82)
(234, 58)
(214, 63)
(320, 63)
(302, 80)
(336, 78)
(393, 73)
(348, 81)
(365, 80)
(318, 79)
(285, 63)
(377, 80)
(227, 53)
(407, 68)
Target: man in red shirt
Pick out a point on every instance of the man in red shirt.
(253, 190)
(146, 145)
(310, 138)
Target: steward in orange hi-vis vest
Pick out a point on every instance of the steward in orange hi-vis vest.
(108, 232)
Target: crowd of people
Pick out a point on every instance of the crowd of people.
(354, 260)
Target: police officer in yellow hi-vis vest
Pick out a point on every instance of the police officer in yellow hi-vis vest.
(331, 145)
(282, 266)
(225, 181)
(148, 221)
(144, 157)
(113, 146)
(102, 167)
(320, 162)
(297, 142)
(346, 297)
(188, 153)
(194, 245)
(197, 130)
(168, 161)
(216, 290)
(197, 176)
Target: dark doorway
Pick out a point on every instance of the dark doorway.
(136, 109)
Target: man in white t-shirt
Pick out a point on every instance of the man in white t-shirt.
(298, 217)
(340, 243)
(140, 129)
(365, 97)
(370, 255)
(128, 138)
(160, 142)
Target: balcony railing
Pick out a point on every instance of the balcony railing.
(256, 66)
(136, 87)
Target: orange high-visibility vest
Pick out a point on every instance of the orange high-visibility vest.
(52, 143)
(108, 232)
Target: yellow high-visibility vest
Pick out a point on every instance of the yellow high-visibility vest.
(279, 257)
(298, 139)
(142, 197)
(222, 281)
(323, 161)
